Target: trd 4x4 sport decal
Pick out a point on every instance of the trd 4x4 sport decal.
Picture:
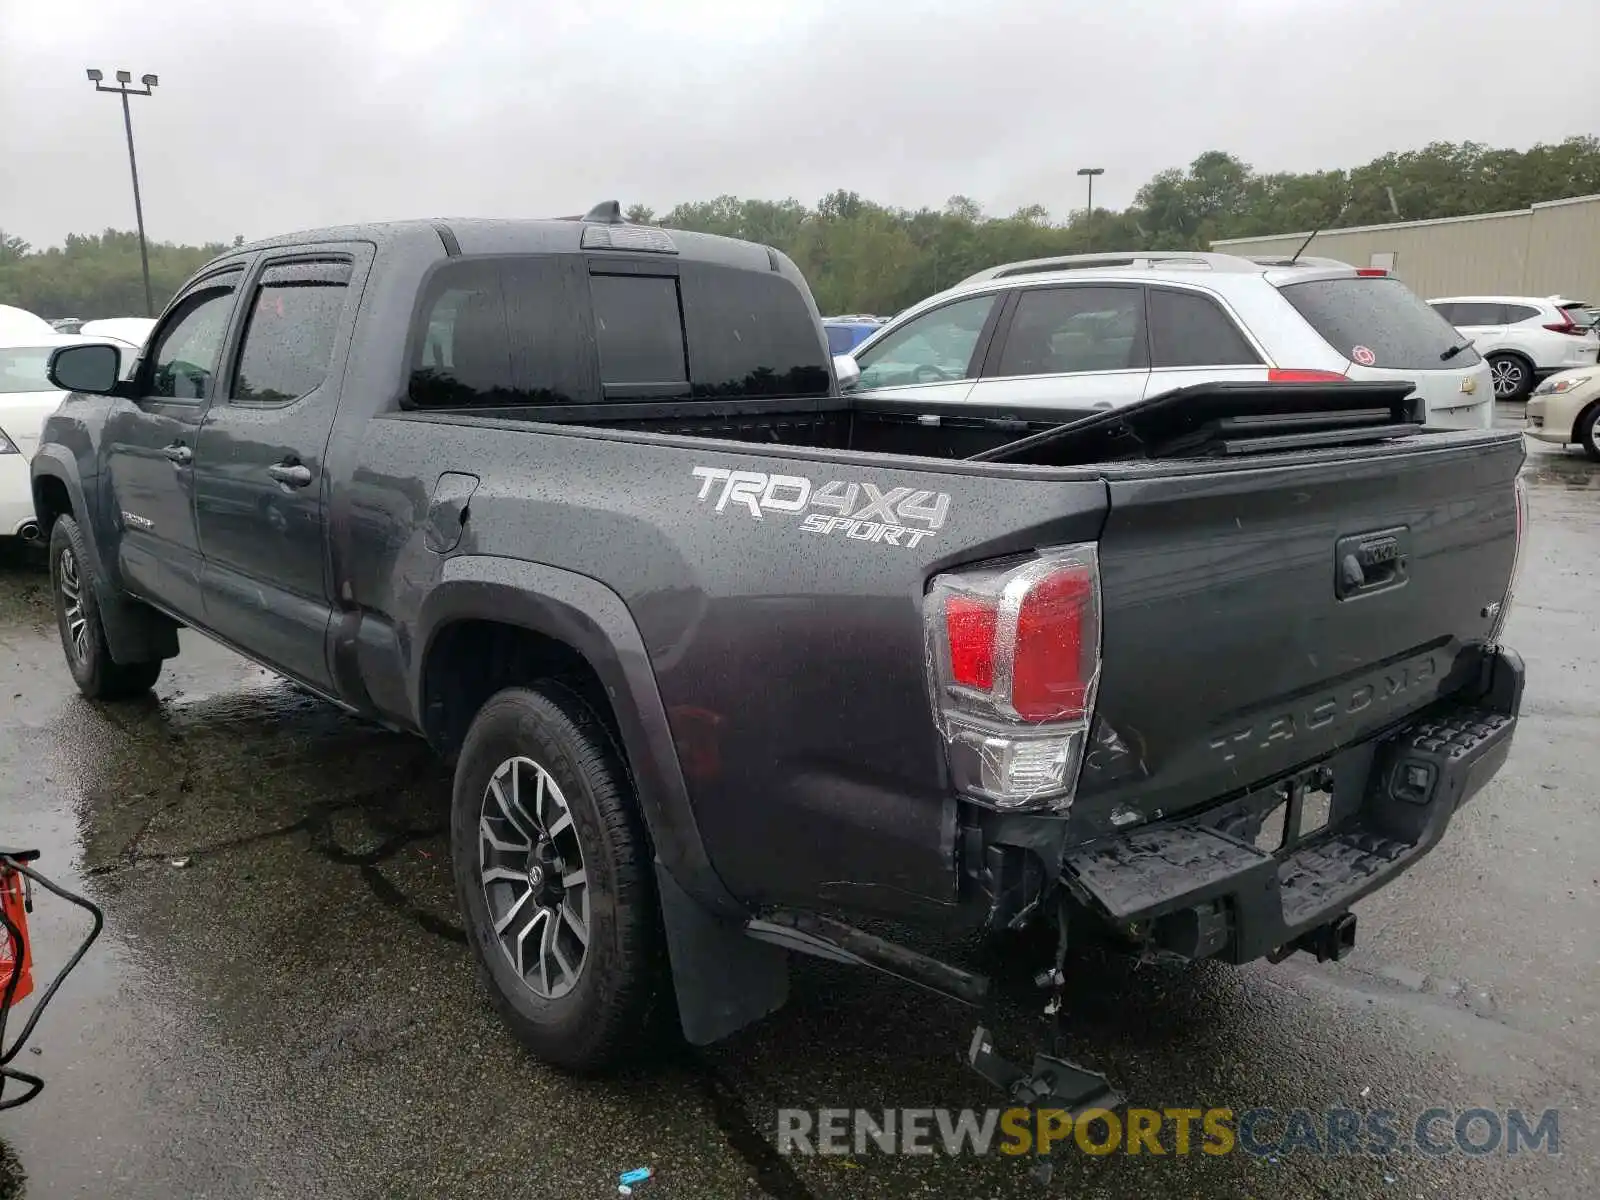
(896, 516)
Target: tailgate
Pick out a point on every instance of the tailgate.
(1257, 618)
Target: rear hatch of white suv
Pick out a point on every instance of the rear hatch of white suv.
(1379, 330)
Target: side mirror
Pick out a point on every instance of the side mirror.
(847, 370)
(95, 369)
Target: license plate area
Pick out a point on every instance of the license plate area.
(1283, 816)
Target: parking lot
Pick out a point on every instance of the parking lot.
(283, 1004)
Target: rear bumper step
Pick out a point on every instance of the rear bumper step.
(1201, 888)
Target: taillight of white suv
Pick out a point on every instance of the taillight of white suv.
(1013, 659)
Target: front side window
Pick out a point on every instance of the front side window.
(1191, 330)
(290, 331)
(184, 356)
(1058, 331)
(936, 347)
(22, 369)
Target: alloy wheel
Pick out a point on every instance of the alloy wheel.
(534, 879)
(1508, 373)
(77, 621)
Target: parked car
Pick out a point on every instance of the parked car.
(27, 397)
(67, 324)
(718, 687)
(19, 322)
(1525, 338)
(131, 331)
(845, 335)
(1097, 331)
(1565, 409)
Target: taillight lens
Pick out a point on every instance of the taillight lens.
(1372, 273)
(1014, 654)
(1292, 375)
(1567, 325)
(1516, 563)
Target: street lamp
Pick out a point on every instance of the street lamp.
(125, 89)
(1088, 173)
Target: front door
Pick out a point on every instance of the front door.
(260, 491)
(934, 355)
(150, 445)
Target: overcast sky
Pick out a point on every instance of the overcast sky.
(292, 113)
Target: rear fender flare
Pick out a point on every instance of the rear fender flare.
(589, 617)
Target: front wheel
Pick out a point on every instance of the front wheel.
(83, 636)
(552, 870)
(1586, 431)
(1513, 378)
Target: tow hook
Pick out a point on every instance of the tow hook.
(1329, 942)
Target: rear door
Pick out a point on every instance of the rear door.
(1235, 647)
(260, 489)
(149, 445)
(1078, 347)
(935, 355)
(1382, 331)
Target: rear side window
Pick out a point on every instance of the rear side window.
(1191, 330)
(1380, 318)
(638, 322)
(1060, 330)
(1517, 312)
(751, 333)
(503, 332)
(290, 330)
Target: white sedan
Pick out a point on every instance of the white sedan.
(1566, 408)
(26, 399)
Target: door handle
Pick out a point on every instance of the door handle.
(290, 474)
(179, 453)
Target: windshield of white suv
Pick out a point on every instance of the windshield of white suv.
(1378, 322)
(22, 370)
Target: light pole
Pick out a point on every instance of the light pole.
(1089, 173)
(124, 89)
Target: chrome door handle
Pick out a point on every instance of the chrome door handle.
(179, 453)
(290, 475)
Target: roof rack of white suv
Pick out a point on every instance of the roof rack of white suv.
(1138, 259)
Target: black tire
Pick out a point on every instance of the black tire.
(615, 1000)
(1586, 431)
(83, 637)
(1514, 370)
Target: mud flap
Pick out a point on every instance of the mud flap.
(723, 980)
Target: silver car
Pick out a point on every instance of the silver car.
(1098, 331)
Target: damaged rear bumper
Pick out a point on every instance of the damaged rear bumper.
(1204, 887)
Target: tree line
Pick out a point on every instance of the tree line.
(860, 256)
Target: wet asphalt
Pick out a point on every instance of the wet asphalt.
(282, 1003)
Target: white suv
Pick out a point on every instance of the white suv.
(1524, 338)
(1098, 331)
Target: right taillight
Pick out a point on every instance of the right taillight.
(1516, 563)
(1014, 655)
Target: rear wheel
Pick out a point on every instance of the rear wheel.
(1586, 431)
(1513, 376)
(552, 870)
(83, 637)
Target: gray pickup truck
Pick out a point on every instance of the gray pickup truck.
(732, 664)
